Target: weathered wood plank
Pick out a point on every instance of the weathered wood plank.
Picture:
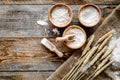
(24, 75)
(59, 1)
(104, 1)
(21, 20)
(28, 64)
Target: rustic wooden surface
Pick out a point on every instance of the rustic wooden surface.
(21, 54)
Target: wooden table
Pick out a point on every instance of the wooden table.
(22, 57)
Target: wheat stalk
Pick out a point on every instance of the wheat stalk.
(104, 36)
(94, 60)
(100, 70)
(104, 42)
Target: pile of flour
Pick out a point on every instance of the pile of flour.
(117, 75)
(60, 15)
(116, 52)
(115, 55)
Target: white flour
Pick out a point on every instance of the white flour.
(40, 22)
(116, 52)
(85, 68)
(55, 31)
(89, 15)
(117, 75)
(60, 15)
(78, 38)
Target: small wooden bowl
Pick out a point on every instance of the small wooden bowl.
(58, 5)
(93, 5)
(78, 27)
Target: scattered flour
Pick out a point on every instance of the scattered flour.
(60, 15)
(116, 52)
(78, 38)
(55, 31)
(116, 75)
(89, 15)
(40, 22)
(85, 68)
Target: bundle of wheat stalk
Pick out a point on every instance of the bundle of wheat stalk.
(93, 59)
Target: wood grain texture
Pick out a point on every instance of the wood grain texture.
(26, 64)
(24, 75)
(59, 1)
(20, 36)
(111, 22)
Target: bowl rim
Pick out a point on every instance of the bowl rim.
(70, 13)
(93, 5)
(75, 26)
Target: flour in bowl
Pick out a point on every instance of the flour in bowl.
(79, 37)
(60, 15)
(89, 15)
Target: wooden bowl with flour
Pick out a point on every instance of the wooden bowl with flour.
(79, 38)
(60, 15)
(89, 15)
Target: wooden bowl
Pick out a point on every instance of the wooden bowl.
(59, 5)
(97, 8)
(78, 27)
